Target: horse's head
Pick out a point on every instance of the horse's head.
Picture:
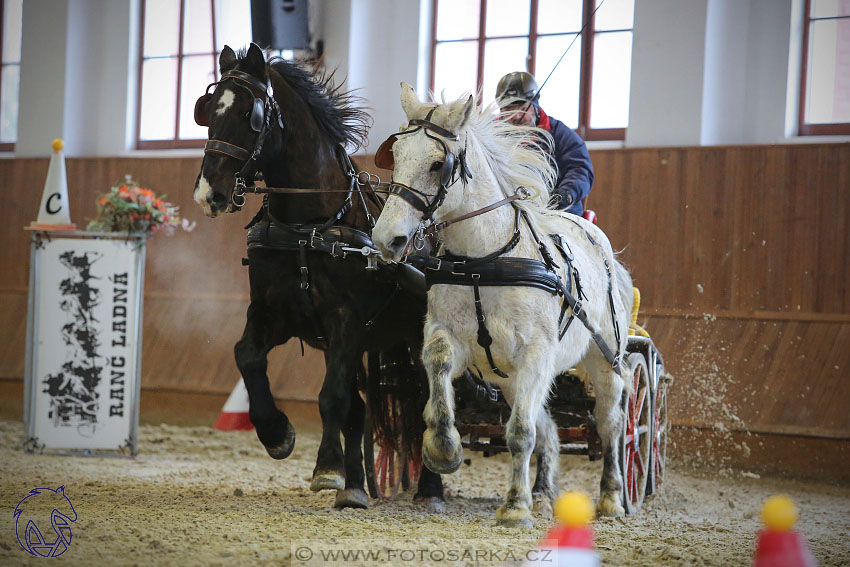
(425, 162)
(244, 125)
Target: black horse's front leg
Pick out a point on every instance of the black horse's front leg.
(274, 429)
(354, 494)
(341, 361)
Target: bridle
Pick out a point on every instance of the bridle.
(423, 202)
(419, 200)
(260, 121)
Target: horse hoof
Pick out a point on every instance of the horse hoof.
(513, 517)
(351, 498)
(515, 523)
(327, 481)
(543, 507)
(609, 505)
(284, 449)
(431, 504)
(442, 454)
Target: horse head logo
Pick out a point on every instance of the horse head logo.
(32, 514)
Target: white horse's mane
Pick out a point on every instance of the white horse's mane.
(518, 156)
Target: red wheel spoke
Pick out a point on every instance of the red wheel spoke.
(639, 404)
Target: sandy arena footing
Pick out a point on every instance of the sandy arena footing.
(195, 496)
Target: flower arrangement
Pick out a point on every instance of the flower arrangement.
(133, 209)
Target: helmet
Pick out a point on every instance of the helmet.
(516, 85)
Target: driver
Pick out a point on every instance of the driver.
(517, 97)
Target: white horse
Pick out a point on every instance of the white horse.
(496, 159)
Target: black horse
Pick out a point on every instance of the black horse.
(307, 280)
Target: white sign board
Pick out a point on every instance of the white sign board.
(84, 342)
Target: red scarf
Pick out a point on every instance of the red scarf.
(543, 121)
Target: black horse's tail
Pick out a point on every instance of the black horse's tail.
(397, 390)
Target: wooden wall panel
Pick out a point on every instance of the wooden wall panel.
(762, 375)
(740, 254)
(196, 290)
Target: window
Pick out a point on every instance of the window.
(10, 71)
(181, 42)
(478, 41)
(825, 81)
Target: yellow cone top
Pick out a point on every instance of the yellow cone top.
(574, 509)
(779, 514)
(58, 144)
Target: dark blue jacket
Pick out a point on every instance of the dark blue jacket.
(575, 172)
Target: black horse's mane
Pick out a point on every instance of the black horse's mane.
(335, 111)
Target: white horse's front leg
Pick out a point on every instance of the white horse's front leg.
(532, 386)
(441, 448)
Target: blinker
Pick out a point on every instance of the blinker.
(447, 172)
(202, 110)
(384, 156)
(257, 115)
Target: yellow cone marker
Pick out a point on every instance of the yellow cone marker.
(570, 541)
(778, 544)
(574, 509)
(779, 514)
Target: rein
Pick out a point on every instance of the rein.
(521, 194)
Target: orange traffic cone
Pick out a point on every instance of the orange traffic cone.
(234, 414)
(570, 542)
(53, 214)
(778, 544)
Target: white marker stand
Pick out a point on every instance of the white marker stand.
(84, 343)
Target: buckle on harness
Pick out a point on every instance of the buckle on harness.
(615, 364)
(577, 309)
(305, 273)
(314, 237)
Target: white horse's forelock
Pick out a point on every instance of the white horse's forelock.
(517, 155)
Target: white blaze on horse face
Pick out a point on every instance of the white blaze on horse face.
(203, 191)
(224, 102)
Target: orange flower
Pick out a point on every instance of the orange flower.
(102, 201)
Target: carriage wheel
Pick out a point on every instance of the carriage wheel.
(659, 434)
(637, 436)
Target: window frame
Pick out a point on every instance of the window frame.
(7, 146)
(175, 142)
(807, 128)
(588, 36)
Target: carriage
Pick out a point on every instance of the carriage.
(482, 412)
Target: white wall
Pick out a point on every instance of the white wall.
(668, 52)
(724, 90)
(772, 52)
(703, 71)
(77, 76)
(383, 50)
(41, 110)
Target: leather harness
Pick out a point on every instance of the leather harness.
(496, 270)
